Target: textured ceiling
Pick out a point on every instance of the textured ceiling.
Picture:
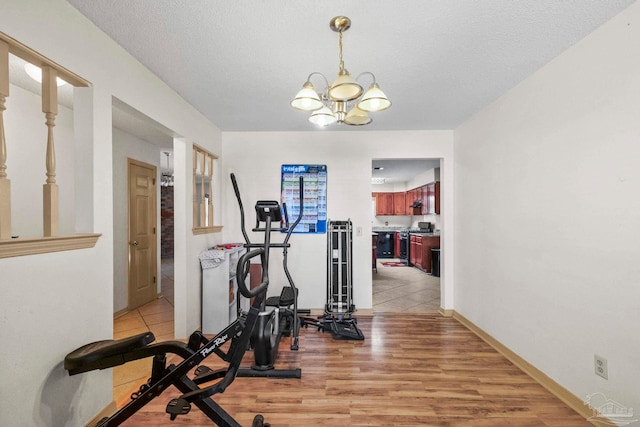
(439, 61)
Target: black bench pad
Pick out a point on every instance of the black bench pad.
(284, 300)
(104, 354)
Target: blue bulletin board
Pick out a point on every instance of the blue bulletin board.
(314, 219)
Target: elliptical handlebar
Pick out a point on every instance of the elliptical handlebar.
(237, 191)
(300, 210)
(243, 266)
(244, 261)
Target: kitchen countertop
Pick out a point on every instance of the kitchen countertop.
(398, 229)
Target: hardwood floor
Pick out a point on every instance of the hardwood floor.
(411, 370)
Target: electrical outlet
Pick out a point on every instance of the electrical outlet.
(358, 231)
(601, 366)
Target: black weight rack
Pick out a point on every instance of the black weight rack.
(339, 308)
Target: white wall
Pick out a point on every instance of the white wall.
(53, 303)
(547, 212)
(256, 159)
(126, 146)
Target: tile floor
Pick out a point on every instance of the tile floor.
(157, 317)
(395, 289)
(404, 289)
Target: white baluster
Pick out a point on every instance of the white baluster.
(50, 188)
(5, 184)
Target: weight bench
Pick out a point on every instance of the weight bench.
(109, 353)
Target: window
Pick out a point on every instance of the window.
(203, 207)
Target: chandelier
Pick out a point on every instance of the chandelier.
(343, 101)
(166, 177)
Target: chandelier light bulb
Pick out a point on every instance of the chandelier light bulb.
(322, 117)
(374, 100)
(307, 99)
(345, 88)
(357, 117)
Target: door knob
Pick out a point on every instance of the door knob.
(134, 243)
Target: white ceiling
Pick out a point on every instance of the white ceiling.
(401, 170)
(439, 61)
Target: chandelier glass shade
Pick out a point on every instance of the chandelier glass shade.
(343, 101)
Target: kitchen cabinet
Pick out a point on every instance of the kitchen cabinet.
(413, 250)
(384, 203)
(432, 199)
(399, 205)
(374, 250)
(424, 196)
(409, 199)
(428, 195)
(436, 204)
(420, 246)
(419, 254)
(396, 247)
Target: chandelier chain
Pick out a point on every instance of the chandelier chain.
(340, 44)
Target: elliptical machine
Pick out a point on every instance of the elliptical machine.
(279, 315)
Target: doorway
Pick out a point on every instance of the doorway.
(398, 285)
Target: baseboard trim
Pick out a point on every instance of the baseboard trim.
(570, 399)
(446, 312)
(120, 313)
(108, 410)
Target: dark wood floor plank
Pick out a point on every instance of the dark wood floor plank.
(411, 370)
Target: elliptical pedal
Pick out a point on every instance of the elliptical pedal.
(177, 407)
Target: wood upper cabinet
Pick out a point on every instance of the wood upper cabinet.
(409, 199)
(384, 203)
(424, 191)
(429, 195)
(432, 198)
(399, 204)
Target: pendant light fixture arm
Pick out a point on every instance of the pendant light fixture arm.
(326, 82)
(366, 72)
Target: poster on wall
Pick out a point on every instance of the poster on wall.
(314, 218)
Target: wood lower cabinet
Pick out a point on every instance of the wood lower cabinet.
(413, 241)
(420, 250)
(419, 253)
(396, 247)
